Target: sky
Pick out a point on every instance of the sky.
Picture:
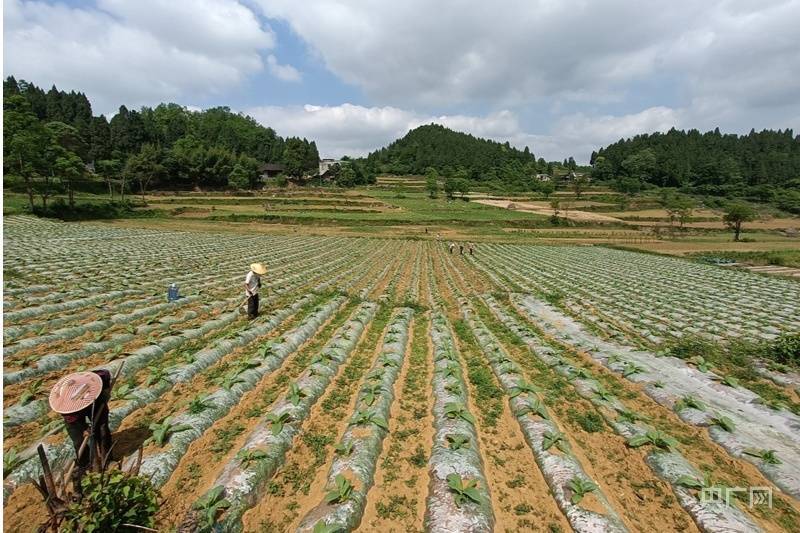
(562, 77)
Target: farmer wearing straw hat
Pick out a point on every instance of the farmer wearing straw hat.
(82, 400)
(252, 282)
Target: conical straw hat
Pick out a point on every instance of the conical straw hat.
(258, 268)
(75, 392)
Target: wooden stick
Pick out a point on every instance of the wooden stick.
(48, 474)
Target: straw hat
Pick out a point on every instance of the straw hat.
(75, 392)
(258, 268)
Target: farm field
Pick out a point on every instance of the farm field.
(390, 386)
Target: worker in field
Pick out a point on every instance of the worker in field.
(472, 248)
(461, 248)
(452, 247)
(252, 283)
(81, 399)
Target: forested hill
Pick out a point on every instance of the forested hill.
(759, 164)
(448, 151)
(173, 146)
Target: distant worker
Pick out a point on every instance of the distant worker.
(81, 399)
(452, 247)
(461, 248)
(252, 283)
(472, 248)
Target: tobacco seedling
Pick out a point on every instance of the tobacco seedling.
(123, 392)
(581, 373)
(730, 381)
(245, 457)
(556, 439)
(33, 390)
(456, 442)
(452, 369)
(295, 394)
(630, 369)
(701, 363)
(453, 388)
(362, 418)
(523, 387)
(11, 460)
(655, 437)
(768, 456)
(626, 415)
(344, 449)
(155, 375)
(464, 490)
(276, 422)
(386, 361)
(210, 505)
(163, 431)
(580, 488)
(199, 403)
(457, 410)
(322, 527)
(689, 401)
(371, 392)
(724, 423)
(601, 393)
(266, 350)
(342, 491)
(535, 406)
(231, 378)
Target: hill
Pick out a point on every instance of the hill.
(761, 166)
(449, 152)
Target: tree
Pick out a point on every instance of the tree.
(450, 187)
(25, 137)
(641, 164)
(432, 182)
(239, 178)
(547, 188)
(69, 168)
(678, 208)
(108, 169)
(462, 186)
(578, 184)
(346, 177)
(144, 167)
(735, 215)
(555, 204)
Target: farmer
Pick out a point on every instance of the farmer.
(461, 248)
(472, 248)
(452, 247)
(252, 282)
(82, 400)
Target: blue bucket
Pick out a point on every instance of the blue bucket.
(172, 292)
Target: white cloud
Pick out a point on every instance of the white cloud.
(356, 130)
(282, 72)
(139, 52)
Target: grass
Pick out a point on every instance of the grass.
(786, 258)
(488, 395)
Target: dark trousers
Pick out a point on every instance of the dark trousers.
(252, 306)
(102, 435)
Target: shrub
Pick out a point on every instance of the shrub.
(111, 500)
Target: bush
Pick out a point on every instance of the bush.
(785, 350)
(110, 500)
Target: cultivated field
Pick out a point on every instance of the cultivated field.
(391, 386)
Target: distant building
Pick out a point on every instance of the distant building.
(543, 177)
(325, 167)
(270, 171)
(572, 176)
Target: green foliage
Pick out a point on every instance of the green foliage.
(535, 406)
(111, 499)
(523, 387)
(458, 410)
(457, 441)
(689, 401)
(344, 448)
(735, 215)
(162, 431)
(342, 491)
(247, 456)
(724, 423)
(557, 439)
(432, 182)
(322, 527)
(362, 418)
(295, 394)
(11, 459)
(580, 487)
(785, 349)
(371, 392)
(654, 437)
(768, 456)
(277, 422)
(630, 369)
(123, 392)
(31, 392)
(464, 490)
(199, 403)
(210, 506)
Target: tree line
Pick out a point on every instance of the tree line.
(53, 140)
(760, 166)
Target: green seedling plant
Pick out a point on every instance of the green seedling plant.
(457, 441)
(344, 449)
(464, 490)
(579, 373)
(267, 350)
(295, 394)
(362, 418)
(245, 457)
(689, 401)
(724, 423)
(523, 387)
(199, 403)
(580, 488)
(626, 415)
(630, 369)
(535, 406)
(601, 393)
(768, 456)
(31, 392)
(702, 364)
(375, 375)
(123, 392)
(342, 491)
(557, 439)
(454, 410)
(11, 460)
(162, 431)
(654, 437)
(231, 378)
(453, 388)
(210, 506)
(451, 370)
(386, 361)
(322, 527)
(276, 422)
(155, 375)
(730, 381)
(113, 354)
(371, 392)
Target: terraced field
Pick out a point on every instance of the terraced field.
(391, 386)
